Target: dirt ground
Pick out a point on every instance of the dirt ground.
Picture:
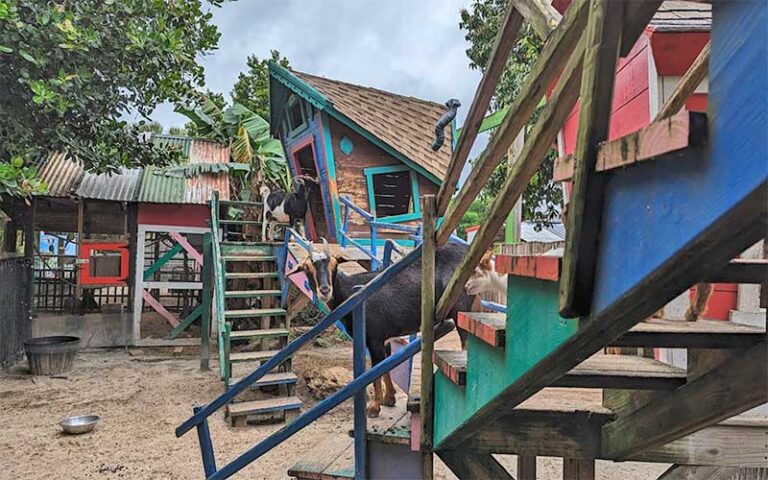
(141, 397)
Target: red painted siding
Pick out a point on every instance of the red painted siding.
(174, 215)
(674, 52)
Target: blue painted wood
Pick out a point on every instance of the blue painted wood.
(359, 245)
(345, 228)
(342, 310)
(330, 161)
(346, 145)
(387, 257)
(321, 408)
(366, 215)
(493, 306)
(657, 208)
(206, 446)
(358, 369)
(394, 226)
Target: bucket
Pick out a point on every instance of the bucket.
(51, 355)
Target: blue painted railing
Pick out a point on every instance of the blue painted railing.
(353, 305)
(493, 306)
(370, 220)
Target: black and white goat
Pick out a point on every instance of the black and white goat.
(392, 311)
(282, 207)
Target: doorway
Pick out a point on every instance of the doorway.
(304, 161)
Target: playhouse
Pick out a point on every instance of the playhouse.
(368, 148)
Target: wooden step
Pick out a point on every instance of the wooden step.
(623, 372)
(239, 203)
(277, 378)
(491, 328)
(598, 371)
(251, 293)
(249, 275)
(263, 333)
(259, 356)
(743, 270)
(659, 333)
(332, 459)
(255, 312)
(239, 222)
(249, 258)
(266, 405)
(453, 364)
(681, 334)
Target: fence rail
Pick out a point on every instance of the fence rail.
(15, 307)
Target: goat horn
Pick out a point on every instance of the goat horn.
(326, 248)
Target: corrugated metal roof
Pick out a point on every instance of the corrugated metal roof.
(61, 174)
(173, 141)
(66, 177)
(553, 233)
(119, 187)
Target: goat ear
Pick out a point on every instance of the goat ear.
(300, 267)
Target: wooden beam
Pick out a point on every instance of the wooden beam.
(542, 433)
(736, 385)
(742, 270)
(505, 40)
(426, 408)
(556, 52)
(687, 472)
(578, 469)
(585, 208)
(471, 465)
(687, 85)
(543, 134)
(662, 139)
(699, 334)
(526, 467)
(636, 18)
(540, 14)
(741, 227)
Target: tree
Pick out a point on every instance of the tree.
(543, 197)
(72, 70)
(153, 127)
(252, 88)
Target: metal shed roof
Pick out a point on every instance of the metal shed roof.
(120, 187)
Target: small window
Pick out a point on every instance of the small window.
(295, 114)
(393, 193)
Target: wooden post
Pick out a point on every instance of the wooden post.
(427, 332)
(358, 368)
(526, 467)
(603, 37)
(205, 320)
(578, 469)
(80, 235)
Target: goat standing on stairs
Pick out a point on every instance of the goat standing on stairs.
(392, 311)
(290, 208)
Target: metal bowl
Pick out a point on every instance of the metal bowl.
(78, 425)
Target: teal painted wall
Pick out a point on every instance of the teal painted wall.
(534, 329)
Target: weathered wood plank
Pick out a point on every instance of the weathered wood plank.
(544, 133)
(453, 364)
(488, 327)
(467, 464)
(742, 270)
(623, 372)
(585, 208)
(687, 472)
(542, 267)
(699, 334)
(736, 385)
(541, 15)
(426, 407)
(578, 469)
(636, 18)
(556, 52)
(505, 40)
(312, 465)
(687, 85)
(526, 467)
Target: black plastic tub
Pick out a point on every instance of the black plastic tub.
(51, 355)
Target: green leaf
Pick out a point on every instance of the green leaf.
(27, 56)
(4, 49)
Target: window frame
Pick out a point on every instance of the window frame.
(405, 217)
(291, 129)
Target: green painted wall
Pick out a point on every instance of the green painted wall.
(534, 329)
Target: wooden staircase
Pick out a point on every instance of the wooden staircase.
(254, 326)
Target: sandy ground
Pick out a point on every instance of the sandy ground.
(141, 399)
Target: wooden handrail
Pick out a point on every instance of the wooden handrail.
(505, 40)
(218, 281)
(543, 134)
(553, 58)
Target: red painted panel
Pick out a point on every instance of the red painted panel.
(697, 102)
(174, 215)
(674, 52)
(85, 278)
(632, 116)
(723, 299)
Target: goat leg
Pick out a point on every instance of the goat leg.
(700, 300)
(374, 408)
(389, 393)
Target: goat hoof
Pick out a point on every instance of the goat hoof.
(373, 410)
(389, 402)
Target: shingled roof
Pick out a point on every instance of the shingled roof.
(407, 124)
(681, 16)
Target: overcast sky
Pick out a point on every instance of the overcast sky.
(403, 46)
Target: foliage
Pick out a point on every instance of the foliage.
(192, 128)
(247, 135)
(542, 198)
(178, 131)
(252, 88)
(154, 127)
(17, 178)
(474, 216)
(72, 70)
